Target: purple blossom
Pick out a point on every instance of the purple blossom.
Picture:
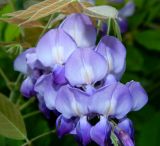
(44, 64)
(81, 29)
(69, 74)
(110, 102)
(127, 11)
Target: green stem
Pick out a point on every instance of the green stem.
(11, 3)
(12, 94)
(7, 81)
(26, 104)
(109, 26)
(47, 25)
(31, 114)
(38, 137)
(117, 29)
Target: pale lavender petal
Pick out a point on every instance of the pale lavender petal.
(64, 126)
(66, 103)
(81, 29)
(115, 53)
(100, 102)
(121, 102)
(33, 62)
(44, 86)
(27, 88)
(101, 132)
(82, 101)
(110, 79)
(139, 95)
(83, 130)
(85, 66)
(55, 47)
(20, 63)
(128, 9)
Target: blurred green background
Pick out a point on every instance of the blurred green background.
(143, 64)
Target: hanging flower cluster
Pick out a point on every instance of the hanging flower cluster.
(70, 74)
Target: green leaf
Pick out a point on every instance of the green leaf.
(149, 132)
(135, 59)
(149, 39)
(11, 121)
(12, 32)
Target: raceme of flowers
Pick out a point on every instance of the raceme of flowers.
(72, 76)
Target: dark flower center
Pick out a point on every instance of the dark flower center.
(113, 120)
(92, 143)
(98, 84)
(93, 119)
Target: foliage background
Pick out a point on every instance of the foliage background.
(143, 64)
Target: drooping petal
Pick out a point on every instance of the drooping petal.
(128, 9)
(139, 95)
(82, 100)
(20, 63)
(123, 24)
(42, 107)
(81, 29)
(85, 66)
(27, 88)
(44, 86)
(115, 54)
(100, 132)
(64, 126)
(121, 102)
(83, 131)
(125, 138)
(100, 102)
(127, 126)
(33, 62)
(55, 47)
(65, 102)
(71, 102)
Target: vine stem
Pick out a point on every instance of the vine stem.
(26, 104)
(11, 3)
(109, 26)
(31, 114)
(11, 96)
(5, 79)
(38, 137)
(46, 26)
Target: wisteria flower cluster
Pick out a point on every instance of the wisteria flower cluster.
(70, 74)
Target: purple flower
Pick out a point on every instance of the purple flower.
(85, 66)
(44, 65)
(127, 11)
(81, 29)
(54, 48)
(92, 116)
(115, 54)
